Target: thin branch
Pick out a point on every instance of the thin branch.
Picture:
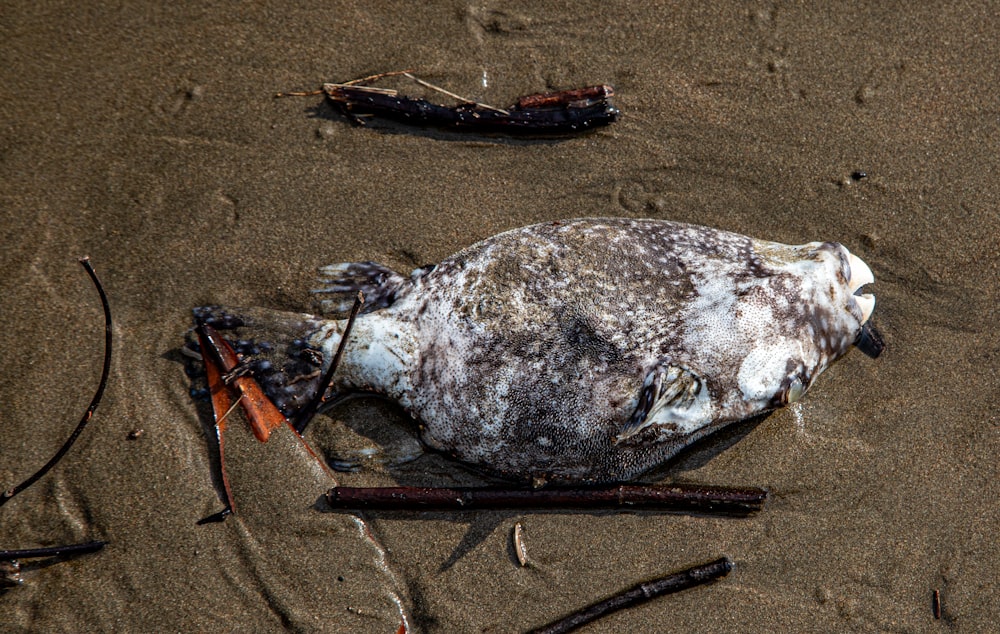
(695, 576)
(52, 551)
(675, 498)
(94, 402)
(392, 73)
(427, 84)
(306, 414)
(306, 93)
(353, 82)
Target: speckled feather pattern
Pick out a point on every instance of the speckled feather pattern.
(529, 353)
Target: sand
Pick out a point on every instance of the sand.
(148, 139)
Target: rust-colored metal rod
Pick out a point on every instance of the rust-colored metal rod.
(695, 576)
(94, 402)
(677, 498)
(52, 551)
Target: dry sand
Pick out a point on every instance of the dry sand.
(148, 139)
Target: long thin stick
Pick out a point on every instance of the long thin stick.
(676, 498)
(427, 84)
(641, 593)
(307, 412)
(353, 82)
(391, 73)
(52, 551)
(94, 402)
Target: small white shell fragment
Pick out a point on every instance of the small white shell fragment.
(519, 548)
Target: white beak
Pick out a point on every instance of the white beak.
(860, 273)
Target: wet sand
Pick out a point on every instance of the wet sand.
(149, 140)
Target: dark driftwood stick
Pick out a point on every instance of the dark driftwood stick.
(641, 593)
(557, 113)
(52, 551)
(9, 493)
(357, 100)
(684, 498)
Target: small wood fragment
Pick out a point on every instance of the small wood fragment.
(936, 604)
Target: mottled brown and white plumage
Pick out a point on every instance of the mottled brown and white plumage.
(584, 350)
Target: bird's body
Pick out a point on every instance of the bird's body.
(585, 350)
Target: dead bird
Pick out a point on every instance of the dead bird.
(586, 350)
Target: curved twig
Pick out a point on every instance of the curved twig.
(94, 402)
